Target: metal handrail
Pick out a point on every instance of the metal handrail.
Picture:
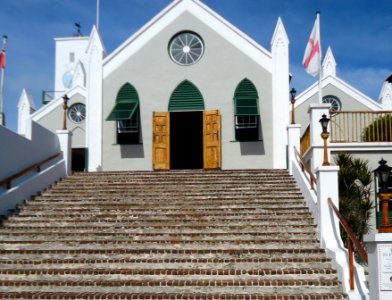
(351, 241)
(306, 168)
(36, 166)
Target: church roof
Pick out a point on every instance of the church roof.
(206, 15)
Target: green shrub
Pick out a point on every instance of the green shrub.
(355, 178)
(379, 131)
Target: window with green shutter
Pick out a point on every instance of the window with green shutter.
(127, 115)
(246, 112)
(186, 96)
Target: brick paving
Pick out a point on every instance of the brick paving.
(166, 235)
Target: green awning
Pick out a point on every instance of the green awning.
(123, 111)
(186, 97)
(246, 107)
(246, 99)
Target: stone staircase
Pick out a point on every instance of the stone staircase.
(166, 235)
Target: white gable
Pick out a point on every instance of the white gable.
(341, 85)
(233, 35)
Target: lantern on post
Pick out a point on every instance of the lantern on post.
(383, 173)
(293, 92)
(325, 135)
(65, 107)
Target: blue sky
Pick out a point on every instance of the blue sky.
(359, 32)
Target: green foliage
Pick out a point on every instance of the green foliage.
(355, 178)
(379, 131)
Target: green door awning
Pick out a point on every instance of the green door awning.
(123, 111)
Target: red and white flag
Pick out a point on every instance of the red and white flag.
(312, 56)
(2, 59)
(2, 53)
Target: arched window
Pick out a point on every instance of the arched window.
(186, 96)
(126, 113)
(246, 112)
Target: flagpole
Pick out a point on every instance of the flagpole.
(2, 115)
(320, 92)
(97, 21)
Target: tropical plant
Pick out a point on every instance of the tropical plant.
(379, 130)
(355, 179)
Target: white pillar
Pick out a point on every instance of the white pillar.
(327, 187)
(294, 140)
(65, 139)
(379, 247)
(316, 142)
(280, 94)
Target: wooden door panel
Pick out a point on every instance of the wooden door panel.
(211, 139)
(161, 141)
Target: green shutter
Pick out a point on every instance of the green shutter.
(186, 97)
(246, 99)
(127, 102)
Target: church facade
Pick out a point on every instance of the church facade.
(187, 91)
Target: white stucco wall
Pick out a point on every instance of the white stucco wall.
(19, 153)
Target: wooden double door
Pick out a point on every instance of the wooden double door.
(183, 140)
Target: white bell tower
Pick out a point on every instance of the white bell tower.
(69, 58)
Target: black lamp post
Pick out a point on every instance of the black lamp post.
(382, 173)
(325, 135)
(65, 107)
(293, 92)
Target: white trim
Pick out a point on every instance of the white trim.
(52, 105)
(233, 35)
(344, 87)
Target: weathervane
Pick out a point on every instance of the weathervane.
(78, 31)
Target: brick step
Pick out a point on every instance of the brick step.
(283, 205)
(223, 253)
(264, 287)
(120, 223)
(325, 283)
(155, 238)
(151, 206)
(185, 214)
(171, 191)
(175, 186)
(140, 201)
(169, 296)
(166, 234)
(167, 271)
(161, 244)
(12, 227)
(162, 201)
(174, 263)
(267, 262)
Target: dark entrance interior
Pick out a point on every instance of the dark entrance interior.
(78, 159)
(186, 140)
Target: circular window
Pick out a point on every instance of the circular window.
(77, 112)
(186, 48)
(336, 105)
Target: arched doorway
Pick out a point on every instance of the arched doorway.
(187, 136)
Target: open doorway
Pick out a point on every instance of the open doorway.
(186, 140)
(78, 159)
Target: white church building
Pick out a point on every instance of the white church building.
(187, 91)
